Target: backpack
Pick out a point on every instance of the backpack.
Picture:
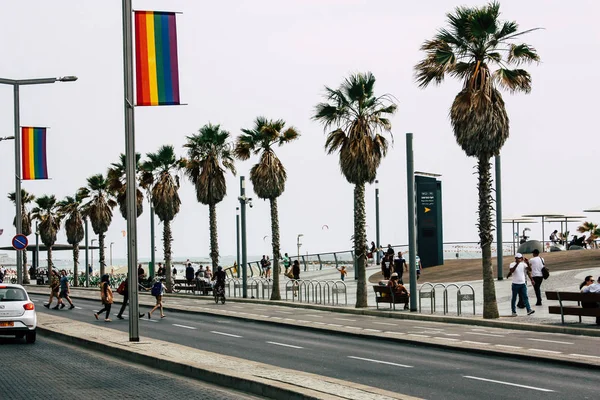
(122, 288)
(156, 289)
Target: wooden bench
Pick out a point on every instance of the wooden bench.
(385, 294)
(572, 309)
(182, 284)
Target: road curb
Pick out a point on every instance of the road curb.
(269, 385)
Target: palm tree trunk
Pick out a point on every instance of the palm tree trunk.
(25, 269)
(50, 264)
(167, 239)
(360, 240)
(101, 254)
(275, 294)
(75, 264)
(214, 244)
(490, 306)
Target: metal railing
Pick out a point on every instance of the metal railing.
(318, 292)
(460, 296)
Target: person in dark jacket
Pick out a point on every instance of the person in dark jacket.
(189, 273)
(126, 298)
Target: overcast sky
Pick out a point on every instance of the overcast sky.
(242, 59)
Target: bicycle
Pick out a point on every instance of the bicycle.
(219, 294)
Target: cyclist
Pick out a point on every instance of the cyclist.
(219, 277)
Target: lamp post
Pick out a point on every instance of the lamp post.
(7, 138)
(92, 244)
(237, 238)
(377, 218)
(299, 245)
(152, 244)
(16, 83)
(111, 245)
(243, 201)
(37, 247)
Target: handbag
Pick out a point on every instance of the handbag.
(545, 271)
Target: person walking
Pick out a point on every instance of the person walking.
(158, 289)
(64, 291)
(296, 276)
(343, 272)
(54, 288)
(537, 264)
(189, 273)
(400, 266)
(263, 266)
(286, 263)
(386, 266)
(123, 290)
(107, 298)
(520, 271)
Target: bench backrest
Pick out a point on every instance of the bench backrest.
(573, 296)
(382, 289)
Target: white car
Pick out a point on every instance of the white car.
(17, 313)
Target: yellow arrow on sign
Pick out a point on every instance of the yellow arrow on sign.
(427, 209)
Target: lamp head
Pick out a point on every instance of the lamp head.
(68, 78)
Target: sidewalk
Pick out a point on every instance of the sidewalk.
(575, 345)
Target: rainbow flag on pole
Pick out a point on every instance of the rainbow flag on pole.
(33, 152)
(157, 74)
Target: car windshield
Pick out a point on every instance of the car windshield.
(12, 294)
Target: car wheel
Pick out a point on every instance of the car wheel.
(30, 337)
(20, 335)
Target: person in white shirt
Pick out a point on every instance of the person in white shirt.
(537, 264)
(520, 271)
(593, 288)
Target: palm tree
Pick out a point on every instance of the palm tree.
(47, 214)
(98, 208)
(593, 231)
(159, 176)
(268, 176)
(208, 158)
(475, 42)
(117, 184)
(70, 208)
(26, 198)
(356, 118)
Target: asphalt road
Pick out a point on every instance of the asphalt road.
(50, 370)
(421, 371)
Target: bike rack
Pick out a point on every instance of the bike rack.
(291, 286)
(427, 295)
(446, 297)
(465, 297)
(434, 296)
(318, 293)
(339, 287)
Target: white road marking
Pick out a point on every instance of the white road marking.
(381, 362)
(418, 335)
(446, 338)
(508, 346)
(284, 312)
(314, 316)
(584, 355)
(429, 329)
(484, 334)
(478, 343)
(78, 308)
(352, 327)
(226, 334)
(372, 330)
(334, 325)
(550, 341)
(508, 383)
(394, 333)
(285, 345)
(384, 323)
(451, 334)
(546, 351)
(345, 319)
(184, 326)
(276, 318)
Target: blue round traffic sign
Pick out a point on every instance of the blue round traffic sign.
(20, 242)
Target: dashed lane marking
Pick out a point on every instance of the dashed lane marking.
(286, 345)
(585, 355)
(381, 362)
(372, 330)
(184, 326)
(384, 323)
(484, 334)
(429, 329)
(226, 334)
(345, 319)
(446, 338)
(418, 335)
(508, 383)
(477, 343)
(546, 351)
(506, 346)
(550, 341)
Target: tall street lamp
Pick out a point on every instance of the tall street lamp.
(16, 83)
(237, 238)
(243, 201)
(92, 249)
(377, 218)
(111, 245)
(299, 245)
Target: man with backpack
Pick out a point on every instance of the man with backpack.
(123, 290)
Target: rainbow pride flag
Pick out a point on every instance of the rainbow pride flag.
(157, 71)
(33, 153)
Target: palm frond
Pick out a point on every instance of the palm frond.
(522, 54)
(513, 80)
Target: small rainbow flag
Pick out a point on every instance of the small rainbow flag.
(33, 151)
(157, 75)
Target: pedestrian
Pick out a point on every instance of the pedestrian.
(343, 272)
(286, 263)
(158, 289)
(64, 291)
(537, 263)
(208, 273)
(54, 288)
(586, 282)
(106, 296)
(554, 236)
(296, 276)
(400, 266)
(189, 273)
(123, 290)
(263, 266)
(161, 270)
(141, 273)
(268, 272)
(390, 250)
(371, 253)
(174, 272)
(386, 266)
(200, 272)
(520, 271)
